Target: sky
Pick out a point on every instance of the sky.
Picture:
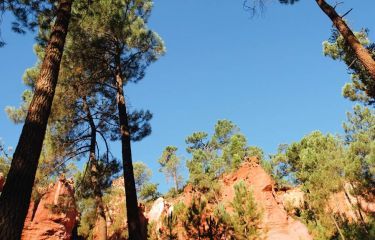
(265, 73)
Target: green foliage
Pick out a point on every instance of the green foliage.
(149, 191)
(28, 15)
(170, 223)
(103, 176)
(142, 175)
(360, 156)
(200, 224)
(18, 115)
(223, 216)
(5, 159)
(322, 165)
(172, 193)
(118, 225)
(225, 151)
(170, 165)
(246, 215)
(87, 210)
(151, 231)
(193, 223)
(354, 230)
(235, 151)
(254, 151)
(315, 155)
(180, 209)
(362, 86)
(224, 130)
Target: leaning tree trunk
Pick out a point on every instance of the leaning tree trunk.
(134, 226)
(337, 226)
(100, 229)
(15, 198)
(361, 52)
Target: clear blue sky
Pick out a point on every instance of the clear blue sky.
(267, 74)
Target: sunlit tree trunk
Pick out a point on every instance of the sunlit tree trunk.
(134, 226)
(361, 52)
(337, 226)
(175, 179)
(15, 198)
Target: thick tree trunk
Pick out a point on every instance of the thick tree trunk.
(15, 198)
(362, 54)
(100, 229)
(134, 226)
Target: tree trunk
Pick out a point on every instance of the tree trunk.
(362, 54)
(134, 226)
(359, 207)
(337, 227)
(101, 222)
(100, 229)
(175, 180)
(15, 198)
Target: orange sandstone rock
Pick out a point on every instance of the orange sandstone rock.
(54, 217)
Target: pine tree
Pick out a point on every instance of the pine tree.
(338, 49)
(361, 53)
(125, 47)
(363, 57)
(246, 215)
(317, 164)
(225, 151)
(142, 176)
(16, 194)
(170, 165)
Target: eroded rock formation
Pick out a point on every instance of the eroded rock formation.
(276, 223)
(54, 216)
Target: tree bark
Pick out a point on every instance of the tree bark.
(15, 198)
(134, 226)
(361, 52)
(100, 229)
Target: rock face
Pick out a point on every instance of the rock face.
(156, 210)
(54, 217)
(342, 203)
(276, 223)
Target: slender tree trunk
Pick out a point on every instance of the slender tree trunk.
(175, 180)
(362, 54)
(15, 198)
(337, 227)
(359, 207)
(100, 229)
(134, 226)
